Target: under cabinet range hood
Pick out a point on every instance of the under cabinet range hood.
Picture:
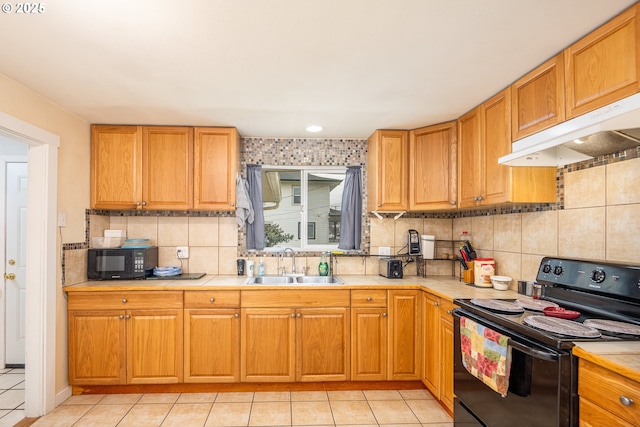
(612, 128)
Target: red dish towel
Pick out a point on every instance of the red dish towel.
(485, 354)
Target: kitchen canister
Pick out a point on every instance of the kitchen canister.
(427, 245)
(483, 269)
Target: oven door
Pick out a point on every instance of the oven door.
(542, 385)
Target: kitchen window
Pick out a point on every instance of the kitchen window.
(302, 195)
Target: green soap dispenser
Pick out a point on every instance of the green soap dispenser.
(323, 267)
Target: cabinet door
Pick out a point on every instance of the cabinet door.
(404, 335)
(216, 161)
(431, 351)
(211, 345)
(388, 174)
(167, 167)
(154, 346)
(268, 345)
(322, 344)
(433, 167)
(97, 347)
(369, 344)
(497, 143)
(116, 167)
(470, 161)
(446, 343)
(538, 99)
(603, 66)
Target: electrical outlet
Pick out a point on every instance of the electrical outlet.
(182, 252)
(384, 250)
(62, 219)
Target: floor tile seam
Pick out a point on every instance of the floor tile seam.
(125, 414)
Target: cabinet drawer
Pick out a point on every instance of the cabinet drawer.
(295, 298)
(369, 298)
(591, 415)
(212, 299)
(124, 300)
(593, 379)
(446, 308)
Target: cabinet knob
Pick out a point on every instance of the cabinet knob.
(124, 300)
(384, 314)
(137, 203)
(144, 203)
(626, 401)
(369, 299)
(453, 202)
(293, 315)
(212, 299)
(121, 317)
(436, 303)
(449, 311)
(232, 204)
(236, 315)
(127, 317)
(299, 315)
(379, 204)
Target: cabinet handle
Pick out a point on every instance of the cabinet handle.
(449, 311)
(453, 202)
(384, 314)
(436, 303)
(232, 204)
(137, 203)
(626, 401)
(379, 204)
(121, 317)
(299, 315)
(124, 300)
(236, 315)
(144, 203)
(127, 317)
(212, 299)
(369, 299)
(293, 315)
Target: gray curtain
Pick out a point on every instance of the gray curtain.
(255, 231)
(351, 215)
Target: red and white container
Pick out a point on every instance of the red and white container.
(483, 269)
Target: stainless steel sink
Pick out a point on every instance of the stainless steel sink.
(297, 280)
(271, 280)
(319, 280)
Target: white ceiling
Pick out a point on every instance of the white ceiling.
(272, 67)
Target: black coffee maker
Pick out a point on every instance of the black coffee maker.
(414, 242)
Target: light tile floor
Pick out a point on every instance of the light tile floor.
(11, 396)
(367, 408)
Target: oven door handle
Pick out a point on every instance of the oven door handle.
(539, 354)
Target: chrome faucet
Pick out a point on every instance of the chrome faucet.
(293, 254)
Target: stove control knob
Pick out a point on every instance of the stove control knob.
(598, 276)
(546, 269)
(558, 270)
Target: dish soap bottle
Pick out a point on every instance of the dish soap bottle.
(323, 267)
(261, 268)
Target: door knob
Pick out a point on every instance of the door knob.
(12, 261)
(9, 276)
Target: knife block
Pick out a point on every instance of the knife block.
(467, 275)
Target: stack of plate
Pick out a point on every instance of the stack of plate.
(136, 244)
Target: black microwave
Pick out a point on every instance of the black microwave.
(121, 263)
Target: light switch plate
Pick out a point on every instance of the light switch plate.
(62, 219)
(182, 252)
(384, 250)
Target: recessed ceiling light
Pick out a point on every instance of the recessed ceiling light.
(314, 128)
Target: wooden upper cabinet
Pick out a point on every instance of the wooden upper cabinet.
(538, 99)
(470, 167)
(217, 160)
(433, 167)
(167, 167)
(497, 143)
(603, 66)
(116, 167)
(388, 175)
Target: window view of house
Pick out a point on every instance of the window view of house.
(296, 196)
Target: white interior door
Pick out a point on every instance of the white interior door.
(15, 267)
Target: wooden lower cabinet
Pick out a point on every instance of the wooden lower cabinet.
(140, 344)
(288, 344)
(437, 368)
(369, 326)
(97, 347)
(606, 397)
(404, 335)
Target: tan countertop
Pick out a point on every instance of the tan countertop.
(622, 357)
(447, 287)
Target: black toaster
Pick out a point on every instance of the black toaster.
(390, 268)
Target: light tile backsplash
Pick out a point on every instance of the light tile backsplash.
(597, 217)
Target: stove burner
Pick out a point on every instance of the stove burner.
(498, 305)
(562, 326)
(535, 304)
(613, 326)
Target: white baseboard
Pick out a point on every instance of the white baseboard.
(63, 395)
